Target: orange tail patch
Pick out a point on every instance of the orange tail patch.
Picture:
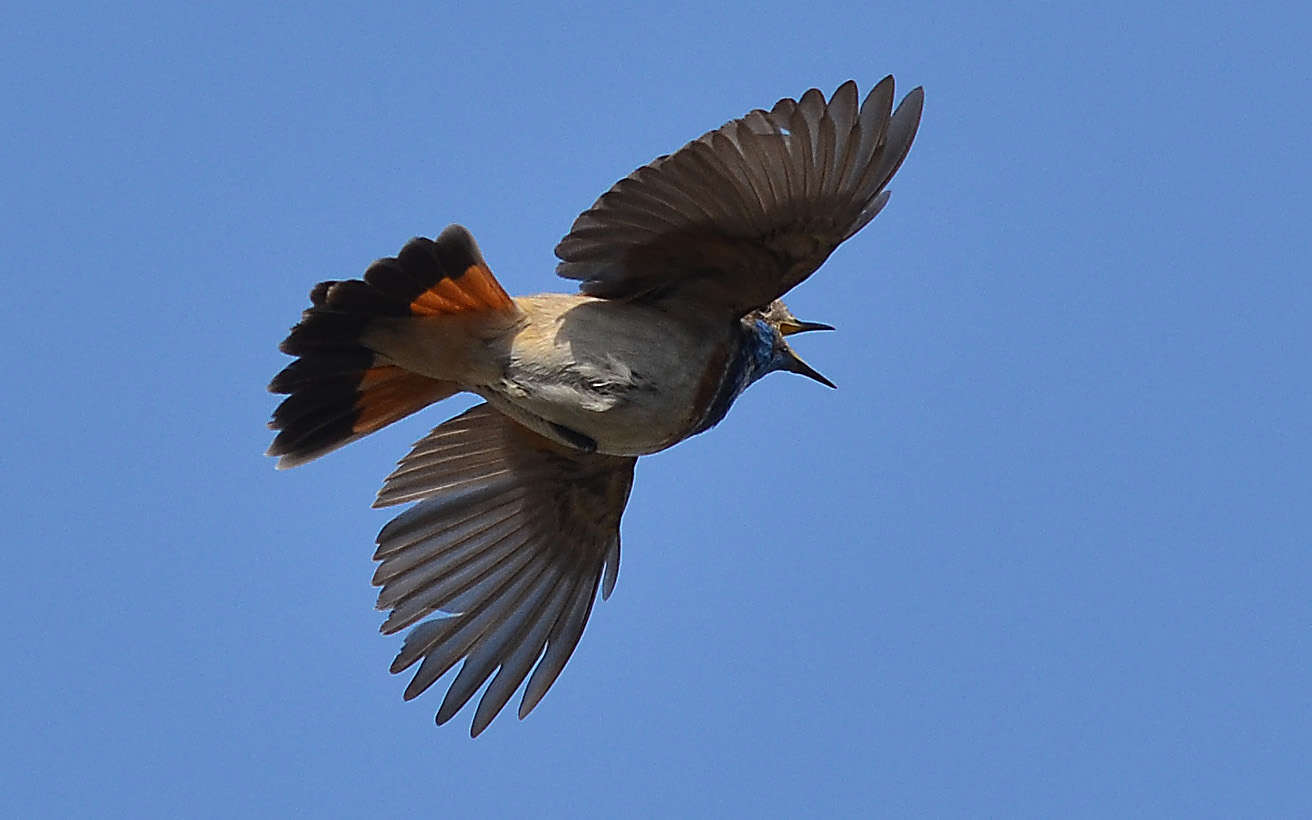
(336, 399)
(388, 393)
(468, 284)
(440, 276)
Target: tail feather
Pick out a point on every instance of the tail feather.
(435, 277)
(320, 368)
(325, 330)
(339, 389)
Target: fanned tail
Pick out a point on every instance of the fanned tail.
(339, 389)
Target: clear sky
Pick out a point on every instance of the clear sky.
(1047, 551)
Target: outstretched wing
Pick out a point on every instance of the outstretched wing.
(736, 218)
(508, 545)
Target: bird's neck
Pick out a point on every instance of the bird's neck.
(752, 359)
(757, 352)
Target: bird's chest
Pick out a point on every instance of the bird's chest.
(632, 378)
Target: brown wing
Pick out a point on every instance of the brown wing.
(508, 545)
(736, 218)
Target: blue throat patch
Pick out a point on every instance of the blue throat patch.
(755, 358)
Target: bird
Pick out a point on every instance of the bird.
(514, 523)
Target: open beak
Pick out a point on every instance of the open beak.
(793, 363)
(790, 326)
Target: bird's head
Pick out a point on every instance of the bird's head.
(771, 324)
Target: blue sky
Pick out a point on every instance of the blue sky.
(1044, 553)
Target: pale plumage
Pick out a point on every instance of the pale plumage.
(519, 499)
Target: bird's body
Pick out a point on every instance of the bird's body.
(632, 377)
(682, 265)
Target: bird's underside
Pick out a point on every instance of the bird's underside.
(617, 377)
(515, 525)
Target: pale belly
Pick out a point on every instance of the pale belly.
(631, 378)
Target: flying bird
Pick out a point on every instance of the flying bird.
(682, 265)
